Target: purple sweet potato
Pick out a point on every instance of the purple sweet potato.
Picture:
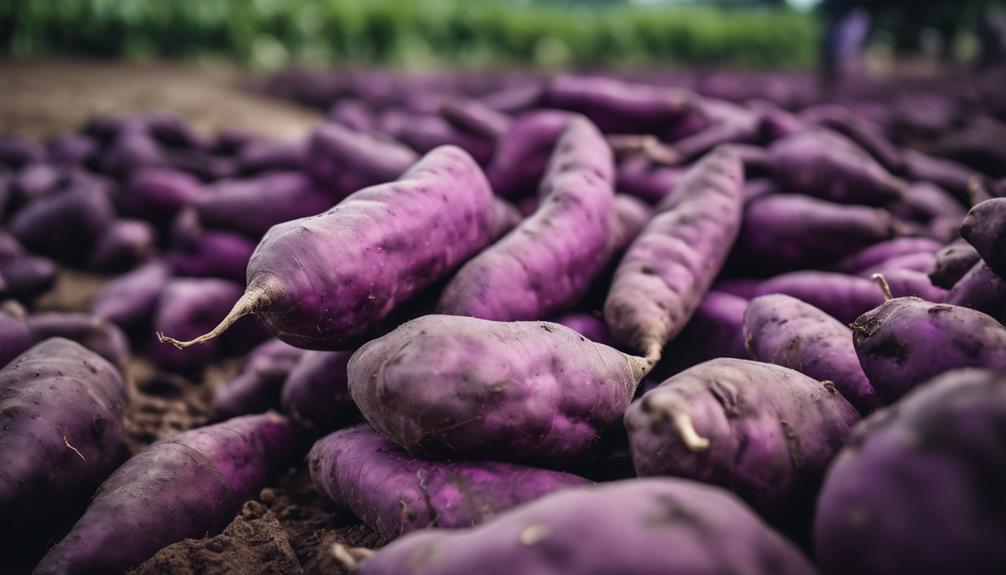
(785, 331)
(924, 202)
(906, 341)
(522, 155)
(189, 307)
(545, 396)
(189, 485)
(65, 226)
(981, 289)
(957, 179)
(586, 324)
(789, 231)
(61, 409)
(156, 194)
(91, 331)
(669, 267)
(754, 189)
(860, 130)
(213, 254)
(763, 431)
(474, 117)
(385, 243)
(130, 299)
(252, 206)
(880, 252)
(258, 157)
(352, 114)
(715, 330)
(618, 106)
(985, 229)
(829, 166)
(638, 176)
(662, 526)
(123, 245)
(904, 282)
(728, 123)
(630, 217)
(426, 132)
(71, 149)
(394, 493)
(549, 261)
(130, 150)
(25, 277)
(15, 335)
(936, 458)
(506, 217)
(920, 262)
(257, 388)
(316, 391)
(17, 152)
(952, 262)
(344, 161)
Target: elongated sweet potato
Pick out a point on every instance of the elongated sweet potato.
(763, 431)
(858, 129)
(785, 331)
(637, 176)
(924, 202)
(188, 485)
(618, 106)
(344, 161)
(130, 299)
(156, 194)
(93, 332)
(384, 244)
(985, 229)
(588, 325)
(545, 396)
(25, 277)
(474, 117)
(253, 206)
(935, 457)
(316, 391)
(981, 289)
(522, 155)
(264, 156)
(728, 123)
(956, 178)
(880, 252)
(920, 262)
(258, 386)
(662, 525)
(549, 261)
(65, 226)
(669, 267)
(952, 262)
(715, 330)
(394, 493)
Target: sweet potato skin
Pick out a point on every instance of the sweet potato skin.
(952, 262)
(191, 307)
(91, 331)
(664, 525)
(936, 457)
(878, 253)
(985, 228)
(344, 161)
(257, 387)
(130, 299)
(395, 493)
(981, 289)
(237, 205)
(66, 226)
(316, 391)
(521, 155)
(545, 395)
(15, 336)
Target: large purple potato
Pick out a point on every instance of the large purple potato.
(517, 391)
(395, 493)
(935, 458)
(643, 527)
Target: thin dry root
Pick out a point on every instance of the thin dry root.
(652, 352)
(640, 366)
(884, 286)
(349, 558)
(253, 299)
(692, 440)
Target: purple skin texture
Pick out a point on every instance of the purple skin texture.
(123, 245)
(985, 229)
(935, 458)
(669, 267)
(920, 262)
(522, 155)
(629, 219)
(93, 332)
(715, 330)
(788, 231)
(829, 166)
(763, 431)
(156, 194)
(548, 262)
(189, 307)
(637, 176)
(880, 252)
(981, 289)
(15, 336)
(616, 106)
(61, 414)
(586, 324)
(425, 132)
(395, 493)
(785, 331)
(952, 262)
(223, 255)
(65, 226)
(508, 391)
(27, 276)
(906, 341)
(237, 205)
(186, 486)
(728, 123)
(506, 216)
(257, 387)
(316, 391)
(343, 161)
(383, 244)
(474, 117)
(661, 526)
(129, 300)
(924, 201)
(863, 132)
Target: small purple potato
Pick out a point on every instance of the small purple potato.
(71, 149)
(316, 391)
(426, 132)
(785, 331)
(952, 262)
(858, 129)
(343, 161)
(920, 262)
(156, 194)
(956, 178)
(258, 157)
(258, 386)
(586, 324)
(985, 229)
(15, 336)
(394, 493)
(130, 299)
(981, 289)
(223, 255)
(727, 123)
(637, 176)
(905, 283)
(186, 486)
(924, 201)
(906, 341)
(521, 156)
(763, 431)
(532, 391)
(617, 106)
(661, 526)
(240, 205)
(130, 151)
(474, 117)
(936, 458)
(17, 152)
(189, 307)
(671, 264)
(91, 331)
(25, 277)
(65, 226)
(123, 245)
(61, 415)
(880, 252)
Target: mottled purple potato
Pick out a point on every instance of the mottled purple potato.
(985, 229)
(669, 267)
(763, 431)
(156, 194)
(906, 341)
(586, 324)
(952, 262)
(344, 161)
(123, 245)
(935, 458)
(15, 336)
(129, 300)
(93, 332)
(661, 526)
(239, 205)
(189, 307)
(186, 486)
(789, 231)
(522, 155)
(394, 493)
(880, 252)
(827, 165)
(508, 391)
(61, 415)
(316, 391)
(25, 277)
(618, 106)
(257, 388)
(785, 331)
(637, 176)
(65, 226)
(214, 254)
(981, 289)
(550, 260)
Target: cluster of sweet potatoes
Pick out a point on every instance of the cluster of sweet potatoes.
(576, 324)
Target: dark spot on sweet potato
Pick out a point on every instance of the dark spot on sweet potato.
(890, 347)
